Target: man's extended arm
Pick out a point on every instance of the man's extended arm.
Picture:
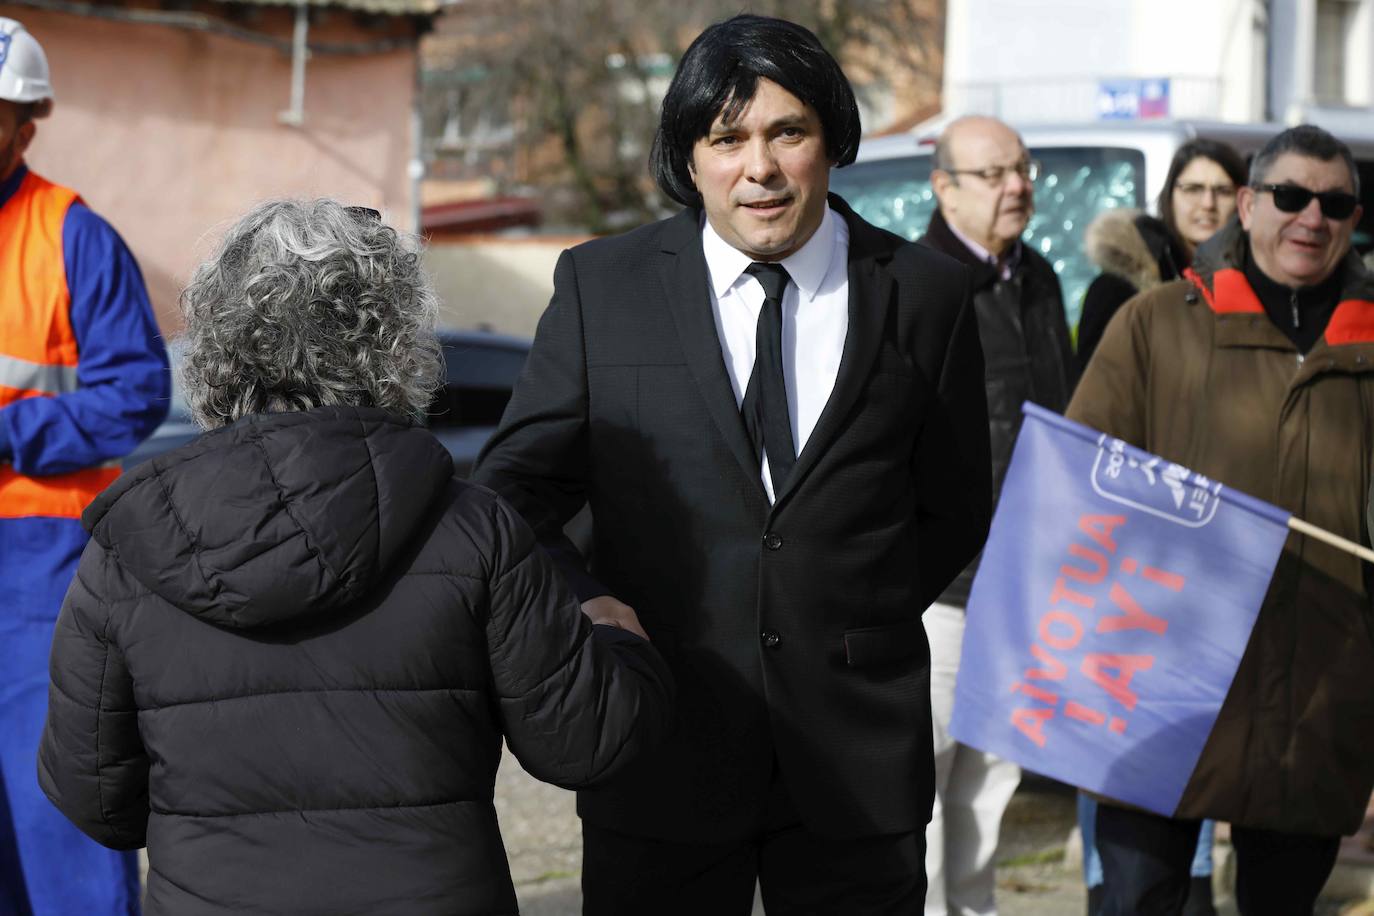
(538, 458)
(122, 372)
(953, 464)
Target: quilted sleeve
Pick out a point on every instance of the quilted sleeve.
(576, 701)
(91, 762)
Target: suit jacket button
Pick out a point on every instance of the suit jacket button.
(772, 541)
(771, 639)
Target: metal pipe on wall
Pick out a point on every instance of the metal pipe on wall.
(300, 50)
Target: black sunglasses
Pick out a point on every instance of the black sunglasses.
(1292, 198)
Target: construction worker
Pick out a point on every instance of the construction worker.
(83, 378)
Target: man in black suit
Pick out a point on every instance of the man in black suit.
(784, 468)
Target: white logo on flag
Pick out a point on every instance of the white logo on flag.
(1150, 484)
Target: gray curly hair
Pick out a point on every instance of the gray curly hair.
(308, 304)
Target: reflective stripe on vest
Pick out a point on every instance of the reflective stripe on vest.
(22, 375)
(38, 349)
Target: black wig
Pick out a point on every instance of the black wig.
(719, 75)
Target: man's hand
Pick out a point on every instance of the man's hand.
(605, 609)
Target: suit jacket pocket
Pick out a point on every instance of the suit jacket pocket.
(870, 646)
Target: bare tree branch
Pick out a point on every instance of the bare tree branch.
(587, 76)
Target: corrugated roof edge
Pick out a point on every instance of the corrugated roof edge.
(381, 7)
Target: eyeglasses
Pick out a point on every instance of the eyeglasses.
(1219, 191)
(1292, 198)
(995, 175)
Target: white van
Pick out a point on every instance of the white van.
(1084, 169)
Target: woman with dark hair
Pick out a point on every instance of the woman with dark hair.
(294, 645)
(1136, 251)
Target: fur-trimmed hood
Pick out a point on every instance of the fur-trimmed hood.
(1132, 246)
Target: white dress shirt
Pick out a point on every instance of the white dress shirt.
(815, 320)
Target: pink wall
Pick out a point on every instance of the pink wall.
(169, 133)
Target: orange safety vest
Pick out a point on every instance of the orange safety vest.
(38, 351)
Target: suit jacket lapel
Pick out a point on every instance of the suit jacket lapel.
(871, 290)
(683, 273)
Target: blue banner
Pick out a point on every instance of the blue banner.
(1115, 597)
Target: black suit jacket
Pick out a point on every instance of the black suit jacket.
(794, 630)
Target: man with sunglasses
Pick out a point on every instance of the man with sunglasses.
(985, 181)
(1258, 372)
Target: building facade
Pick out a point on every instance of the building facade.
(172, 122)
(1227, 60)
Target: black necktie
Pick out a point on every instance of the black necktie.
(765, 399)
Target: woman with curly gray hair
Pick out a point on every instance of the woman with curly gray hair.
(309, 304)
(294, 645)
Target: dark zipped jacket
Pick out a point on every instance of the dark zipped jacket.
(288, 660)
(1027, 355)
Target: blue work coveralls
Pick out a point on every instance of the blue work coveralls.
(47, 866)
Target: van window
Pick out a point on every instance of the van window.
(1075, 184)
(1363, 239)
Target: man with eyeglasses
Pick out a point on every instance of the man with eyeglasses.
(984, 181)
(1258, 372)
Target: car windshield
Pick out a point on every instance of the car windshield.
(1075, 184)
(1363, 238)
(478, 378)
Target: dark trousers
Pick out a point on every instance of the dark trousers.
(1145, 860)
(798, 872)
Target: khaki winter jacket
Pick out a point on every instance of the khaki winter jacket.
(1196, 372)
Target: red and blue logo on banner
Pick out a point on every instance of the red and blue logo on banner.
(1113, 602)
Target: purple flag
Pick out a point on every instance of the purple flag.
(1115, 597)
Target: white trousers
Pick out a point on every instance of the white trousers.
(972, 790)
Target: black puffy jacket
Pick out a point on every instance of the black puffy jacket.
(289, 657)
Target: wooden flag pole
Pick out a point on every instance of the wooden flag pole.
(1335, 540)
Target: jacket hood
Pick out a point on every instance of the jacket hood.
(1130, 245)
(276, 517)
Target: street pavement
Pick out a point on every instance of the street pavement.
(1038, 872)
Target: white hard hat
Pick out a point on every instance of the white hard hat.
(23, 67)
